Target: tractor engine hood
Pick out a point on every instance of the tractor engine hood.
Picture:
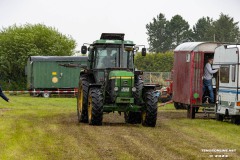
(121, 84)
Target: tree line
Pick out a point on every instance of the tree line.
(17, 43)
(165, 35)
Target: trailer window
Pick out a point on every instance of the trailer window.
(188, 57)
(233, 73)
(224, 74)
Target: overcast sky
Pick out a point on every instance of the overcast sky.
(85, 20)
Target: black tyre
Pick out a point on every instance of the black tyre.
(132, 117)
(138, 94)
(46, 94)
(179, 105)
(95, 106)
(235, 120)
(219, 117)
(149, 116)
(82, 99)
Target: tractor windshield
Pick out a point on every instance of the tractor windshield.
(111, 57)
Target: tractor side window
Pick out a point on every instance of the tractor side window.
(127, 60)
(224, 74)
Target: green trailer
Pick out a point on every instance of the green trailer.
(53, 74)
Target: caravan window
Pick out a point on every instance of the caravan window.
(233, 73)
(224, 74)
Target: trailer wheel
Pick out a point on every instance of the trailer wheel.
(219, 117)
(46, 95)
(138, 94)
(178, 105)
(82, 100)
(149, 116)
(132, 117)
(95, 106)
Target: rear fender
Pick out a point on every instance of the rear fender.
(147, 87)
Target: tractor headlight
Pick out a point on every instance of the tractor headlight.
(134, 89)
(115, 89)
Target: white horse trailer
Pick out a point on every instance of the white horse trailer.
(226, 59)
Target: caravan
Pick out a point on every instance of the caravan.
(226, 59)
(189, 61)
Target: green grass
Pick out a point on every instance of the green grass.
(39, 128)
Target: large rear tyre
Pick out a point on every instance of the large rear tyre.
(149, 116)
(82, 100)
(132, 117)
(95, 106)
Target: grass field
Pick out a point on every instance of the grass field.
(39, 128)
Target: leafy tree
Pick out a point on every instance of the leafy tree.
(17, 43)
(156, 31)
(164, 35)
(203, 30)
(153, 62)
(226, 30)
(178, 30)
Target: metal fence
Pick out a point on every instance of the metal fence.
(160, 78)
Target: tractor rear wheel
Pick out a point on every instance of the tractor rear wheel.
(95, 106)
(82, 99)
(132, 117)
(149, 116)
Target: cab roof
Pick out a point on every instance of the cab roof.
(197, 46)
(113, 38)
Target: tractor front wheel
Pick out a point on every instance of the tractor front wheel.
(149, 116)
(95, 106)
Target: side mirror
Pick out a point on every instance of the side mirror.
(84, 49)
(144, 51)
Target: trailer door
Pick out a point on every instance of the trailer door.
(196, 78)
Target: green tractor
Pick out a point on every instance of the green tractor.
(110, 83)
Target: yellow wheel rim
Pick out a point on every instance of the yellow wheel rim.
(89, 108)
(80, 98)
(144, 114)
